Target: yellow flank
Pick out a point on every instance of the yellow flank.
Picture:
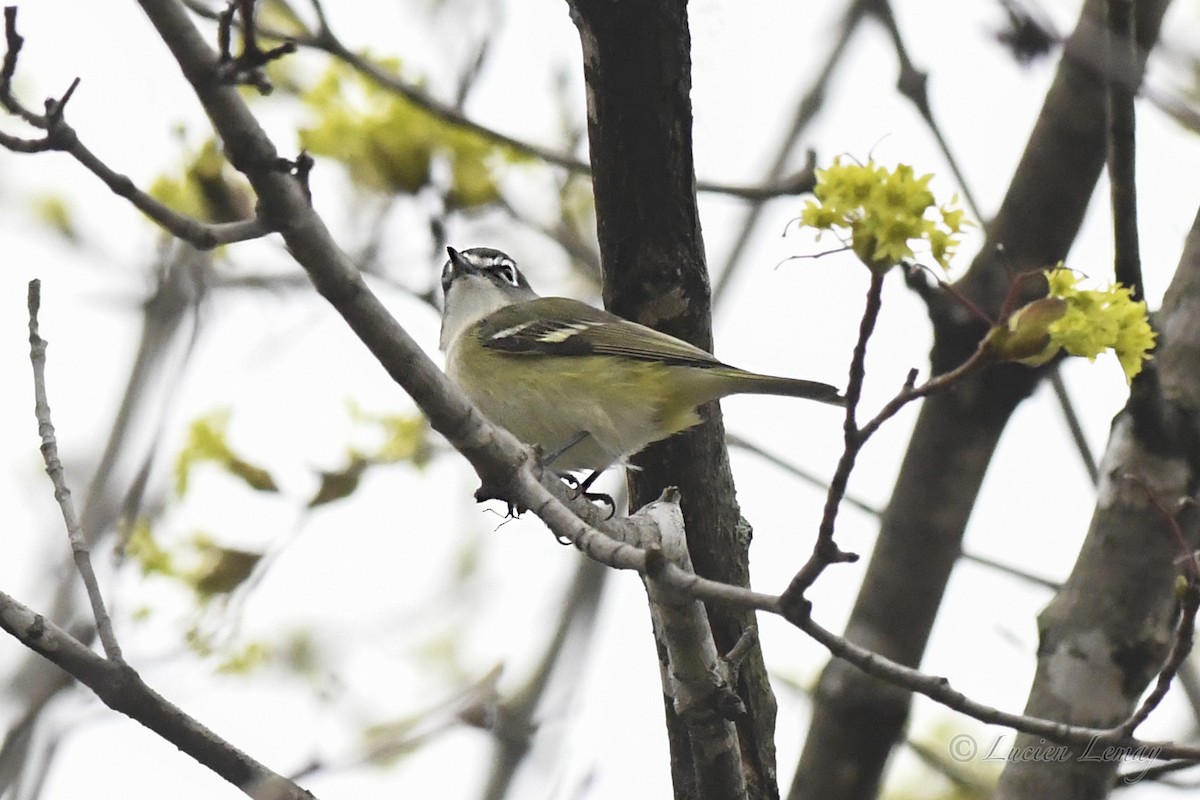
(546, 400)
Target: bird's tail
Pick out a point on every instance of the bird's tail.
(698, 386)
(755, 383)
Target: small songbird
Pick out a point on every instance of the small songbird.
(586, 385)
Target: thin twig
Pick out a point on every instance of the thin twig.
(200, 235)
(248, 67)
(1181, 647)
(60, 136)
(825, 552)
(733, 440)
(13, 42)
(1073, 425)
(913, 84)
(54, 468)
(940, 691)
(807, 108)
(1186, 556)
(1157, 774)
(1009, 569)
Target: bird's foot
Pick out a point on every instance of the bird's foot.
(581, 490)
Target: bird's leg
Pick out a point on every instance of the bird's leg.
(556, 453)
(581, 488)
(588, 481)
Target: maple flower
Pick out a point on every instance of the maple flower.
(884, 212)
(1083, 322)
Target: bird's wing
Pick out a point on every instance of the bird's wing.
(557, 326)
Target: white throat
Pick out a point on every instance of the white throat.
(470, 299)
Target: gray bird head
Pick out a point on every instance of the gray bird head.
(477, 282)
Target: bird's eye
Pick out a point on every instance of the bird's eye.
(508, 271)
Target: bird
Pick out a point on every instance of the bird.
(586, 386)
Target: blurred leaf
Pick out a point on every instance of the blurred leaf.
(277, 15)
(389, 144)
(207, 443)
(341, 484)
(54, 210)
(221, 569)
(213, 569)
(257, 477)
(246, 660)
(209, 190)
(301, 653)
(150, 556)
(406, 441)
(199, 643)
(388, 742)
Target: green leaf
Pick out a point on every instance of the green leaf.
(406, 440)
(222, 569)
(246, 660)
(207, 443)
(389, 144)
(209, 189)
(54, 210)
(141, 546)
(341, 484)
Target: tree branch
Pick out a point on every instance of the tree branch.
(695, 680)
(54, 468)
(122, 689)
(939, 690)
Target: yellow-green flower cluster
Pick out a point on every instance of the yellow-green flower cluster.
(1083, 322)
(884, 211)
(1098, 320)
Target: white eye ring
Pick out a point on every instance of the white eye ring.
(508, 271)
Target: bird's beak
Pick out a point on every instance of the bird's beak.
(460, 264)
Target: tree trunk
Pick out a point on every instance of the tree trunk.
(637, 65)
